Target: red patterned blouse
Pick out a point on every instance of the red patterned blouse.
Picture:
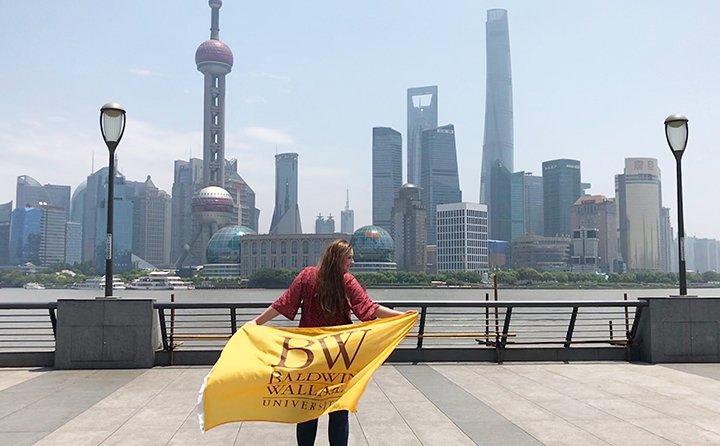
(301, 293)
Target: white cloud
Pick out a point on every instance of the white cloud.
(252, 100)
(270, 76)
(57, 152)
(268, 135)
(145, 72)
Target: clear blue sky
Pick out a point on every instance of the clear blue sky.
(592, 81)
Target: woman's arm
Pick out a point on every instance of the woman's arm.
(269, 314)
(383, 312)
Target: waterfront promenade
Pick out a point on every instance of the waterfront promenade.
(597, 403)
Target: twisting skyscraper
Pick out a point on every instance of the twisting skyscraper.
(422, 114)
(286, 216)
(497, 158)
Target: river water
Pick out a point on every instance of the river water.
(382, 295)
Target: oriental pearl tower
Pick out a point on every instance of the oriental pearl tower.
(212, 206)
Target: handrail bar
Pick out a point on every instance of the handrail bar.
(432, 303)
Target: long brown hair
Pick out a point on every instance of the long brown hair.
(330, 283)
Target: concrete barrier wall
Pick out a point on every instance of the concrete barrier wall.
(679, 329)
(104, 333)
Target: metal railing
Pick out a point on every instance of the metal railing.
(446, 330)
(195, 333)
(27, 327)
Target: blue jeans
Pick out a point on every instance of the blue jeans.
(338, 430)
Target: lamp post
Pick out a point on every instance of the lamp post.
(676, 132)
(112, 127)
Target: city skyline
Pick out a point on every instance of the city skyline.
(579, 91)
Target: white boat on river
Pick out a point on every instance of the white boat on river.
(160, 280)
(98, 283)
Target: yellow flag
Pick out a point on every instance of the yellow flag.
(292, 375)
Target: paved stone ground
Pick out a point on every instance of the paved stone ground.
(424, 404)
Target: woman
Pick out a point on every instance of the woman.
(326, 293)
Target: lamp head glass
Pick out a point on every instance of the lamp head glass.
(676, 132)
(112, 122)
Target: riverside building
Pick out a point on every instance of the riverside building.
(462, 237)
(638, 193)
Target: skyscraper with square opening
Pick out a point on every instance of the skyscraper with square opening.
(422, 114)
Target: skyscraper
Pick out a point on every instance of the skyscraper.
(422, 114)
(598, 212)
(151, 224)
(462, 243)
(37, 235)
(244, 196)
(124, 222)
(386, 174)
(408, 229)
(286, 216)
(667, 243)
(29, 192)
(59, 196)
(526, 207)
(187, 179)
(561, 188)
(25, 235)
(439, 180)
(497, 157)
(347, 216)
(73, 243)
(639, 202)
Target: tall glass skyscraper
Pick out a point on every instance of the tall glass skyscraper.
(527, 204)
(561, 188)
(497, 158)
(386, 174)
(187, 179)
(25, 235)
(286, 216)
(439, 177)
(422, 114)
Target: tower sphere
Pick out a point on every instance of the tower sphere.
(214, 52)
(213, 204)
(215, 3)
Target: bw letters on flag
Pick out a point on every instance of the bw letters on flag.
(292, 375)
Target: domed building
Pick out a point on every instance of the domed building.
(374, 249)
(223, 252)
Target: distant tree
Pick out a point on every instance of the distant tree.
(271, 278)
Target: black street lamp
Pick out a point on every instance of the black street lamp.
(676, 132)
(112, 126)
